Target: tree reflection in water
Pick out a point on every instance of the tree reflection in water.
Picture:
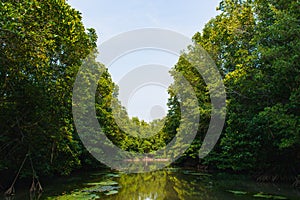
(163, 184)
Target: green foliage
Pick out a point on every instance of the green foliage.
(42, 44)
(254, 43)
(272, 124)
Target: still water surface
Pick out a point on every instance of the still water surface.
(166, 184)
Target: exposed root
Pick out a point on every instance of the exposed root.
(296, 184)
(36, 187)
(11, 190)
(278, 174)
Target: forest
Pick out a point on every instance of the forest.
(254, 43)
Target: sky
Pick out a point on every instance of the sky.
(111, 18)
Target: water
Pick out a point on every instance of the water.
(168, 184)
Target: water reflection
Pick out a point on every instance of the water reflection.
(173, 184)
(163, 184)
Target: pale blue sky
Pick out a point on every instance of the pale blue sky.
(111, 18)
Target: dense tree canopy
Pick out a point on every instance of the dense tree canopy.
(254, 43)
(42, 44)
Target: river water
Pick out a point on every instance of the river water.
(166, 184)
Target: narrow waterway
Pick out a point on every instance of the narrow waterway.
(168, 184)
